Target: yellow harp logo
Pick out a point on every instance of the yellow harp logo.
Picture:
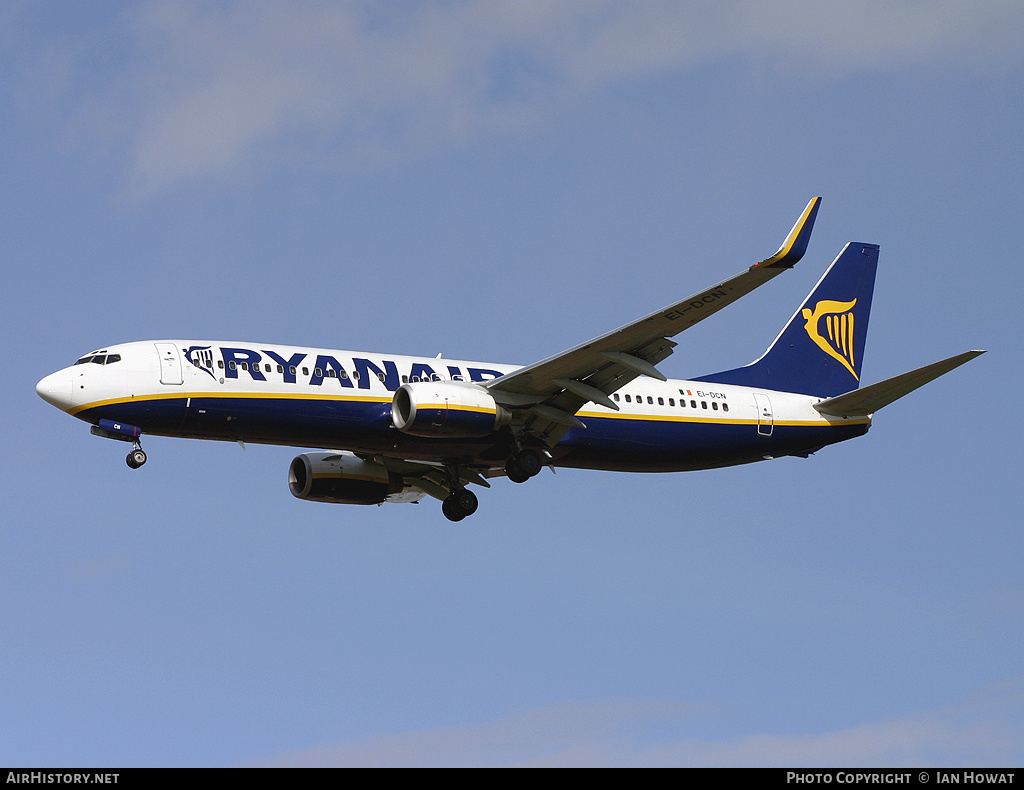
(838, 339)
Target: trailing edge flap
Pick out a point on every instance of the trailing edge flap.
(611, 361)
(429, 478)
(870, 399)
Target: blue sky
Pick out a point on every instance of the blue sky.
(499, 181)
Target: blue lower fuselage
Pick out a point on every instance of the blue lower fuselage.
(615, 442)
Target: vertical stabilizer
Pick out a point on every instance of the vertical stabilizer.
(821, 348)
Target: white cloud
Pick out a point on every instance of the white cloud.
(987, 730)
(563, 734)
(213, 87)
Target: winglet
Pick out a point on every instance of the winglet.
(795, 245)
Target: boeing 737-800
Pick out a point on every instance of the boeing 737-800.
(402, 427)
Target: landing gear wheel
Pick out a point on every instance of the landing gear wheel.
(467, 501)
(459, 504)
(523, 465)
(530, 462)
(136, 458)
(514, 473)
(451, 511)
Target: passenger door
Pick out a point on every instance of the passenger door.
(170, 363)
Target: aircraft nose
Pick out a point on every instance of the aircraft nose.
(56, 389)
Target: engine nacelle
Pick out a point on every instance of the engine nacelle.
(447, 408)
(341, 478)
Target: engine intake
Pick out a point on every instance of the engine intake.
(447, 409)
(341, 478)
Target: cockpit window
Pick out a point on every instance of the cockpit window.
(100, 359)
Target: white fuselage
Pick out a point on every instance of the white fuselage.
(298, 396)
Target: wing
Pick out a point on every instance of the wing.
(550, 392)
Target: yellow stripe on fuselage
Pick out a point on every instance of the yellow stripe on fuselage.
(610, 415)
(233, 395)
(712, 420)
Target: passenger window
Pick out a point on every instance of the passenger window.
(344, 375)
(319, 373)
(725, 407)
(381, 377)
(714, 405)
(332, 373)
(280, 368)
(693, 404)
(703, 404)
(629, 399)
(671, 401)
(233, 365)
(615, 396)
(305, 371)
(661, 401)
(405, 379)
(650, 400)
(355, 375)
(267, 368)
(291, 369)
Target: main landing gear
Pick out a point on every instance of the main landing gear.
(460, 503)
(136, 458)
(523, 465)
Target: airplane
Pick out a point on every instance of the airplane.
(404, 427)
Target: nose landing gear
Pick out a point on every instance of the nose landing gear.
(123, 432)
(136, 458)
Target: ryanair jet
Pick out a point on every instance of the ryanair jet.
(407, 427)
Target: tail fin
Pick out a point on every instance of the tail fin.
(821, 349)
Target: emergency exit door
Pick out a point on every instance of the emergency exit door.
(764, 414)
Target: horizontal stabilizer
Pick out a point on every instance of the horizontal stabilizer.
(870, 399)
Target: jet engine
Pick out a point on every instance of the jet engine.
(342, 478)
(447, 409)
